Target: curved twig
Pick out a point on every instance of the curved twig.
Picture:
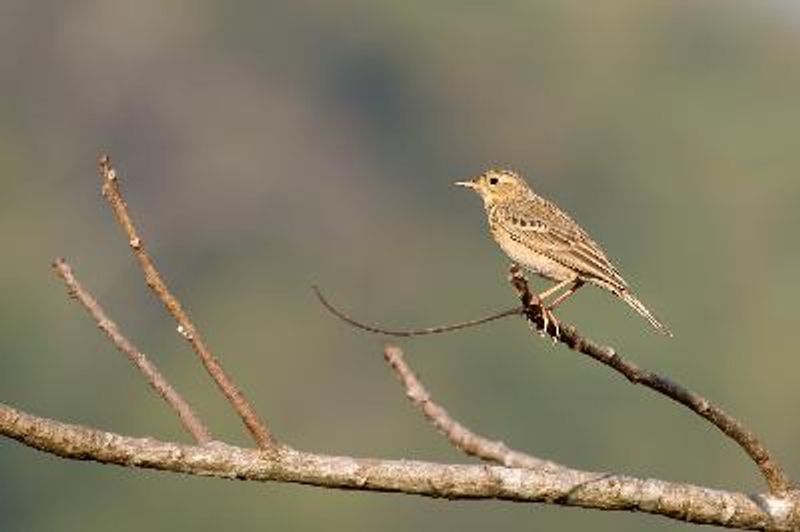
(407, 333)
(457, 434)
(188, 418)
(773, 473)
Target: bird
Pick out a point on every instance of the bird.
(545, 240)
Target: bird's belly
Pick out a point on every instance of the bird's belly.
(533, 261)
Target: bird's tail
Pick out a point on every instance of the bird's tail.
(639, 307)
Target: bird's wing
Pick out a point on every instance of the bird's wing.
(544, 227)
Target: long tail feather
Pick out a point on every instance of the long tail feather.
(639, 307)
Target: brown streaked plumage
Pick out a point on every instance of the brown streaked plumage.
(544, 239)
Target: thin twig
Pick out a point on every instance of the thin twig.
(773, 473)
(406, 333)
(257, 428)
(188, 418)
(460, 436)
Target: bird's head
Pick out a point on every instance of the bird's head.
(495, 186)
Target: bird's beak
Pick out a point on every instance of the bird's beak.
(468, 184)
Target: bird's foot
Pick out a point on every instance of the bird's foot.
(548, 319)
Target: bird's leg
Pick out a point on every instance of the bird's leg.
(530, 299)
(576, 284)
(547, 311)
(561, 298)
(547, 314)
(555, 288)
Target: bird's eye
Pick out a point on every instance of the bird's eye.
(493, 180)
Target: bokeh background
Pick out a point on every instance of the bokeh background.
(266, 146)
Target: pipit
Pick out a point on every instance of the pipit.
(542, 238)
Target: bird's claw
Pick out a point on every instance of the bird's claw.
(548, 318)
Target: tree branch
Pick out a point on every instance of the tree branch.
(568, 488)
(257, 428)
(154, 378)
(524, 478)
(457, 434)
(777, 480)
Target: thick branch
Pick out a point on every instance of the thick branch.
(774, 474)
(186, 328)
(568, 487)
(460, 436)
(154, 378)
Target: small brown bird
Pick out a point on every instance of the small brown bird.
(544, 239)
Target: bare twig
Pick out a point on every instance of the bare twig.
(569, 487)
(188, 418)
(773, 473)
(257, 428)
(516, 311)
(459, 435)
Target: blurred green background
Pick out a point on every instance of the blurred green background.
(266, 146)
